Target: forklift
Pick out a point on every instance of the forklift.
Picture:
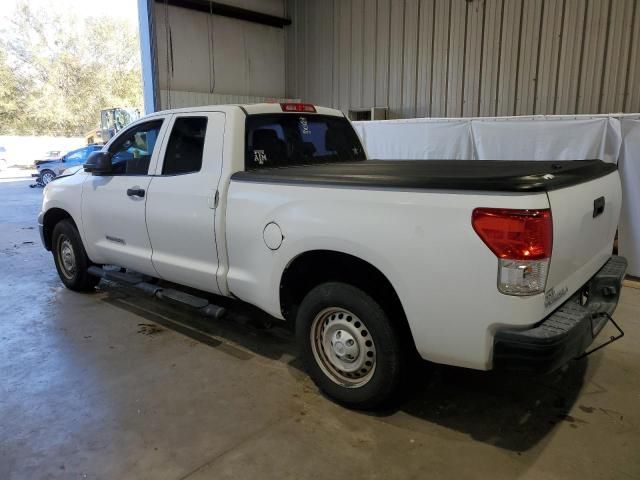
(112, 120)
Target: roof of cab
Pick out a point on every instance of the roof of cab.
(251, 109)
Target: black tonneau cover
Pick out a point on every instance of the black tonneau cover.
(483, 175)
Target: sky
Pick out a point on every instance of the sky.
(125, 9)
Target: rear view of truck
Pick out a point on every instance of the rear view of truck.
(568, 258)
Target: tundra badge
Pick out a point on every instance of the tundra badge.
(551, 296)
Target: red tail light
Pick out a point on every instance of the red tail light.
(515, 234)
(522, 241)
(298, 107)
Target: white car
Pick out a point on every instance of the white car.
(479, 264)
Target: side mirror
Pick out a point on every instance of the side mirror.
(98, 163)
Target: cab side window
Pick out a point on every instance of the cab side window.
(75, 157)
(131, 153)
(186, 146)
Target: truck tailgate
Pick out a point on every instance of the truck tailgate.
(585, 218)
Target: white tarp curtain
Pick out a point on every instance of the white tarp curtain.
(629, 165)
(606, 137)
(447, 139)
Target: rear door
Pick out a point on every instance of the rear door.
(585, 218)
(182, 201)
(113, 206)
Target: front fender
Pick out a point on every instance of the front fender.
(64, 194)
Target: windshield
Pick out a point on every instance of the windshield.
(283, 140)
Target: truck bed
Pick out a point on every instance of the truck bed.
(478, 175)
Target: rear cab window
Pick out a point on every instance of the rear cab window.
(290, 139)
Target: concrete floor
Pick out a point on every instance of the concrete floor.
(112, 385)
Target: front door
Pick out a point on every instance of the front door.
(182, 201)
(113, 206)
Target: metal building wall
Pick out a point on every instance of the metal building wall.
(204, 59)
(451, 58)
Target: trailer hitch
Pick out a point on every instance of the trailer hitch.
(611, 339)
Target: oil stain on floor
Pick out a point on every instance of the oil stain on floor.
(150, 329)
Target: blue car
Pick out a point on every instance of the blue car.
(49, 170)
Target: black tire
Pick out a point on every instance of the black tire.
(66, 241)
(47, 176)
(316, 325)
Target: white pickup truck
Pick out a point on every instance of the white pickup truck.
(479, 264)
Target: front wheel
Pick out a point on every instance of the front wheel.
(350, 348)
(71, 259)
(47, 176)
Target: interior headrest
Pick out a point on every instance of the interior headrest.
(264, 136)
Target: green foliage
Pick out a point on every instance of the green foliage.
(56, 73)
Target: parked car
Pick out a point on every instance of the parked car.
(4, 161)
(479, 264)
(48, 157)
(48, 170)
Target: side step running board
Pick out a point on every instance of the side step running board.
(200, 304)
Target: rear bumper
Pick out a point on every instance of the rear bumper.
(568, 331)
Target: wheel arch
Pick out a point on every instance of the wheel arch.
(311, 268)
(48, 170)
(52, 217)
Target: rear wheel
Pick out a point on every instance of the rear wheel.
(47, 176)
(71, 259)
(350, 348)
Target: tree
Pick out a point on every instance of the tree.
(56, 73)
(10, 96)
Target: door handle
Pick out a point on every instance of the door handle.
(213, 199)
(135, 192)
